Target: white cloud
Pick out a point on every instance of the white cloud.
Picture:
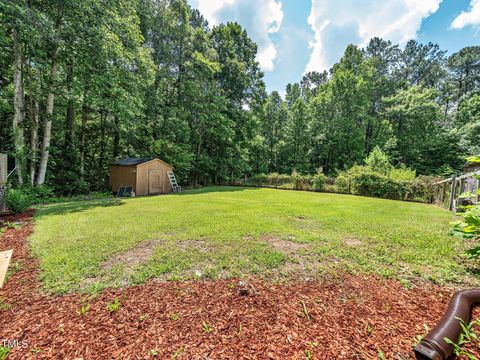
(339, 23)
(259, 18)
(470, 17)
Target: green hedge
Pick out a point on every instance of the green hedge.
(399, 184)
(294, 181)
(361, 180)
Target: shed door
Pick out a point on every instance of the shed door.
(155, 181)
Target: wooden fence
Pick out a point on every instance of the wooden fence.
(457, 191)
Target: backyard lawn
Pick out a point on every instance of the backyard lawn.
(223, 232)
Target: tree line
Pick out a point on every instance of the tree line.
(85, 82)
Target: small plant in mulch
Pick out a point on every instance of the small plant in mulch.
(4, 352)
(84, 309)
(418, 338)
(13, 269)
(174, 316)
(114, 306)
(177, 353)
(369, 329)
(4, 306)
(308, 354)
(467, 337)
(206, 327)
(154, 352)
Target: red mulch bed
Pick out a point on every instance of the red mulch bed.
(351, 317)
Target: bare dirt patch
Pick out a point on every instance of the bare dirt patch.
(354, 242)
(286, 246)
(133, 257)
(198, 245)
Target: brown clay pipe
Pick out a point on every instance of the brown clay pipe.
(433, 346)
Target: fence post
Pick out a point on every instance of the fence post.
(477, 191)
(452, 193)
(3, 181)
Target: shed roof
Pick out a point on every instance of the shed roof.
(138, 161)
(132, 161)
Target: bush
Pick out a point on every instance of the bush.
(378, 162)
(259, 179)
(18, 201)
(318, 182)
(469, 228)
(342, 183)
(422, 189)
(301, 182)
(377, 185)
(402, 173)
(276, 179)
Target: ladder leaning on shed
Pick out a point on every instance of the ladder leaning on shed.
(173, 182)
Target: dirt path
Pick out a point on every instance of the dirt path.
(347, 317)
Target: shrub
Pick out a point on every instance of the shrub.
(342, 183)
(422, 189)
(402, 173)
(377, 185)
(301, 182)
(469, 228)
(18, 201)
(378, 162)
(318, 181)
(276, 179)
(259, 179)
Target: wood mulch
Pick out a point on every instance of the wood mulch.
(342, 317)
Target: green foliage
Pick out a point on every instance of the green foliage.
(301, 182)
(18, 201)
(206, 327)
(469, 228)
(468, 336)
(4, 352)
(318, 181)
(114, 306)
(402, 174)
(394, 183)
(474, 159)
(378, 162)
(369, 183)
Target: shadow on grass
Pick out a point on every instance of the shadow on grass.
(216, 189)
(75, 206)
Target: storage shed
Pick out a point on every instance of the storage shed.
(147, 176)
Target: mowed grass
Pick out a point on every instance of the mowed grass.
(232, 232)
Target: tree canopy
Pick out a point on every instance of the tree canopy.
(83, 83)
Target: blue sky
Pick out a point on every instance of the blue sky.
(295, 36)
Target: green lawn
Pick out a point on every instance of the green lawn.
(228, 231)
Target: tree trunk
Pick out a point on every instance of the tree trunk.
(47, 130)
(70, 120)
(34, 133)
(19, 106)
(116, 138)
(82, 136)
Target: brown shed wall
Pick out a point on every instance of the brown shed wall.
(122, 176)
(145, 174)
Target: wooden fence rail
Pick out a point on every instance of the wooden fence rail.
(448, 192)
